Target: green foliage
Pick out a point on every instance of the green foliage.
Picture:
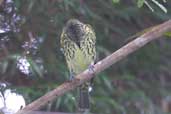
(137, 84)
(150, 4)
(168, 34)
(115, 1)
(140, 3)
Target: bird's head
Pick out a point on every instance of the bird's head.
(75, 30)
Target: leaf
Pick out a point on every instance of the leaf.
(115, 1)
(160, 6)
(30, 6)
(35, 68)
(140, 3)
(17, 3)
(4, 67)
(148, 5)
(108, 84)
(168, 34)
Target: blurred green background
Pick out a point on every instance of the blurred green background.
(32, 64)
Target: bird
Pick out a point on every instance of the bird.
(78, 44)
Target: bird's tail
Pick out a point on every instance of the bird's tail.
(84, 98)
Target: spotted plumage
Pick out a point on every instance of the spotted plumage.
(78, 44)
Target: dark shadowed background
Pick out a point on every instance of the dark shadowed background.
(32, 64)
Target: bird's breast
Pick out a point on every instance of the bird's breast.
(80, 62)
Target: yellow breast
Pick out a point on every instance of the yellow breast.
(80, 62)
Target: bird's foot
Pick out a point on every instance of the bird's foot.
(91, 68)
(71, 77)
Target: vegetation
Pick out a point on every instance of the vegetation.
(32, 64)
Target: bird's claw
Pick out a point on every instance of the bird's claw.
(91, 68)
(71, 77)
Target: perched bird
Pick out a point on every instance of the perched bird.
(78, 44)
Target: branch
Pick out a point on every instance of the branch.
(147, 37)
(43, 112)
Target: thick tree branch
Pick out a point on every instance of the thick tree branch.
(147, 37)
